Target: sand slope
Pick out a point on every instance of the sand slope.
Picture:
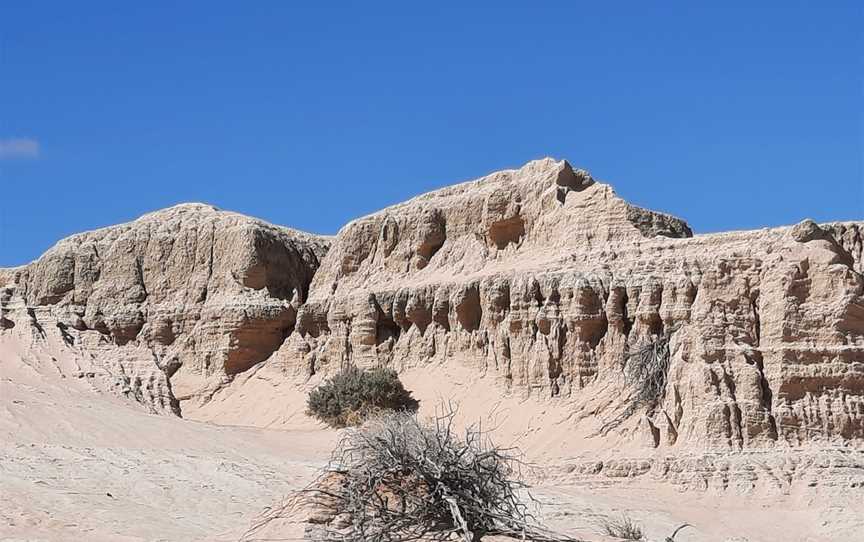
(78, 464)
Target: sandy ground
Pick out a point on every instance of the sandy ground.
(76, 464)
(79, 465)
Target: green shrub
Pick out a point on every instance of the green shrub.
(352, 395)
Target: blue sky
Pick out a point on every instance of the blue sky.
(735, 115)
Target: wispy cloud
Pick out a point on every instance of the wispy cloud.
(18, 147)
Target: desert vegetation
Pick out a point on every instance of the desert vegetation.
(353, 395)
(399, 477)
(646, 371)
(622, 527)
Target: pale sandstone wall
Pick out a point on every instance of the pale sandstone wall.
(541, 276)
(189, 292)
(548, 278)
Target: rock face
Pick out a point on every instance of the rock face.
(548, 279)
(191, 293)
(850, 236)
(541, 277)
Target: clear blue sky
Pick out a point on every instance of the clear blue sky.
(736, 115)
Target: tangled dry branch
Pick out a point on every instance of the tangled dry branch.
(399, 478)
(646, 370)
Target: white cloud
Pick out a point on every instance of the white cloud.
(18, 147)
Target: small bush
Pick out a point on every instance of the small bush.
(623, 527)
(354, 394)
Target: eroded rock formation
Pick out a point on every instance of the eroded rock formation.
(189, 294)
(550, 279)
(541, 276)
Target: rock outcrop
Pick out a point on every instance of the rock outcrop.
(187, 295)
(540, 277)
(547, 278)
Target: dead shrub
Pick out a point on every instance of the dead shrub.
(399, 478)
(646, 370)
(622, 527)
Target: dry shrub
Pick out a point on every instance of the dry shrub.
(400, 478)
(646, 370)
(625, 528)
(353, 395)
(622, 527)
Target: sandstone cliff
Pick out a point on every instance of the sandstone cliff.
(188, 294)
(548, 279)
(541, 278)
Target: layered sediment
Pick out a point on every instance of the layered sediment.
(542, 278)
(189, 294)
